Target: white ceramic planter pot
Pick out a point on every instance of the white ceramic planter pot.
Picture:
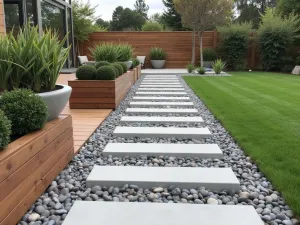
(207, 64)
(128, 64)
(56, 100)
(158, 64)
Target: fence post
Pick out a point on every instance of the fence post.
(215, 38)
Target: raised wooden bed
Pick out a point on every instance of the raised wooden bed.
(100, 94)
(139, 71)
(135, 71)
(29, 164)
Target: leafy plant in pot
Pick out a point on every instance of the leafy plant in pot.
(125, 53)
(34, 62)
(158, 58)
(209, 56)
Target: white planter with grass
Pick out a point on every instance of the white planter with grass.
(128, 64)
(158, 64)
(158, 58)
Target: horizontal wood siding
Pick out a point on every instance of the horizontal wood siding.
(30, 164)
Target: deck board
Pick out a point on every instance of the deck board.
(85, 121)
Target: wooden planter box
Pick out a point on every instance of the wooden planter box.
(29, 164)
(135, 71)
(100, 94)
(139, 71)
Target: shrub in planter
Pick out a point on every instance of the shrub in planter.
(152, 26)
(105, 52)
(124, 66)
(116, 70)
(86, 72)
(5, 130)
(125, 53)
(105, 73)
(275, 35)
(219, 66)
(190, 68)
(158, 57)
(234, 43)
(101, 63)
(201, 70)
(209, 55)
(26, 110)
(119, 68)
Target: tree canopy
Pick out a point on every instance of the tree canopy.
(142, 8)
(171, 17)
(285, 7)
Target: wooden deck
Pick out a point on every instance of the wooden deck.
(85, 121)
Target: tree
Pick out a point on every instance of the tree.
(126, 19)
(83, 18)
(170, 16)
(285, 7)
(250, 14)
(102, 23)
(142, 8)
(199, 15)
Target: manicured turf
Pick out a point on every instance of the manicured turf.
(262, 112)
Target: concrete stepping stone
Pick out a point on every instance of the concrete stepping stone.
(160, 93)
(134, 213)
(161, 89)
(164, 83)
(214, 179)
(160, 111)
(162, 132)
(182, 104)
(157, 79)
(160, 119)
(161, 81)
(158, 99)
(160, 86)
(204, 151)
(161, 76)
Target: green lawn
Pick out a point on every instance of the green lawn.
(262, 112)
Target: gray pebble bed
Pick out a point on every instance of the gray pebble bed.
(53, 205)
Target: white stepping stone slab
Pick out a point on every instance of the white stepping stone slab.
(134, 213)
(139, 104)
(160, 119)
(214, 179)
(143, 83)
(158, 99)
(161, 89)
(160, 93)
(156, 79)
(160, 111)
(159, 86)
(161, 81)
(211, 151)
(162, 132)
(161, 76)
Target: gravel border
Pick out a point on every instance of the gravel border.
(53, 205)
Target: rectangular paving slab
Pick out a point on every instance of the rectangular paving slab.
(161, 89)
(158, 99)
(203, 151)
(214, 179)
(161, 81)
(162, 132)
(139, 104)
(160, 86)
(160, 119)
(160, 93)
(135, 213)
(160, 111)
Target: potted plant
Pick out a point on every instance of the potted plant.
(158, 58)
(209, 56)
(125, 53)
(105, 52)
(33, 62)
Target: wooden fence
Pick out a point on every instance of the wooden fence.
(178, 45)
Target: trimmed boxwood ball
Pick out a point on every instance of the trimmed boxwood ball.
(27, 111)
(105, 73)
(86, 73)
(115, 69)
(5, 130)
(101, 63)
(125, 69)
(119, 68)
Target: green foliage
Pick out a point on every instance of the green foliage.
(190, 68)
(125, 52)
(30, 61)
(157, 54)
(102, 23)
(119, 68)
(171, 17)
(298, 60)
(209, 54)
(125, 69)
(106, 73)
(234, 43)
(141, 8)
(5, 130)
(26, 111)
(201, 70)
(115, 69)
(219, 66)
(101, 63)
(250, 14)
(285, 7)
(152, 26)
(105, 52)
(86, 72)
(275, 35)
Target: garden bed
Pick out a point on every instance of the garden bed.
(100, 94)
(29, 164)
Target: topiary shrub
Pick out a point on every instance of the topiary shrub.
(119, 68)
(115, 69)
(201, 71)
(125, 69)
(26, 110)
(86, 72)
(5, 130)
(101, 63)
(105, 73)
